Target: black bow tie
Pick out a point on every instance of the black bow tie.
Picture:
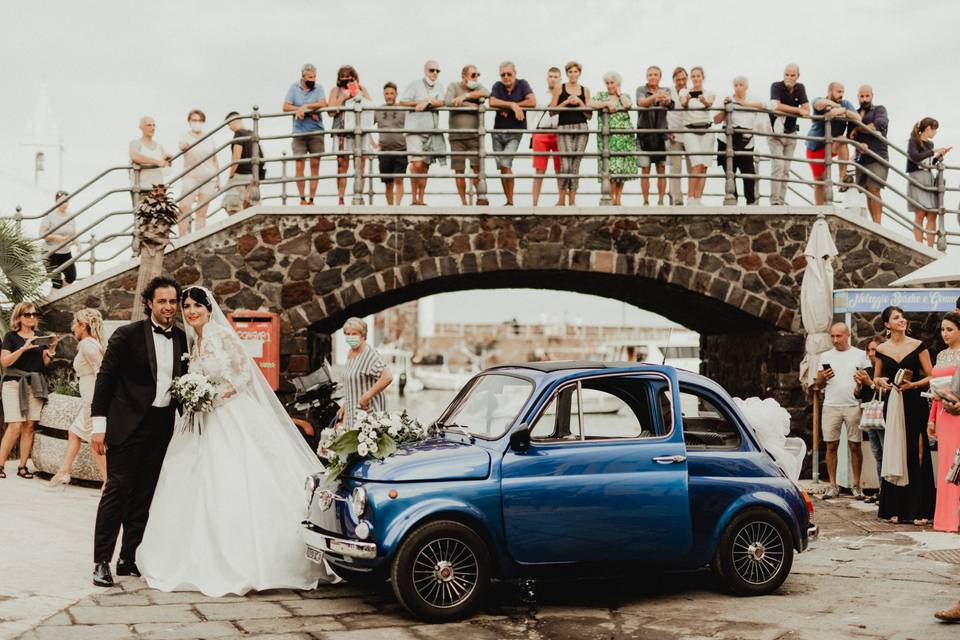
(166, 333)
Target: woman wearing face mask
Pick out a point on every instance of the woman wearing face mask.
(366, 377)
(347, 91)
(203, 182)
(944, 425)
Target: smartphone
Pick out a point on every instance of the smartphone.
(353, 88)
(696, 94)
(43, 341)
(826, 366)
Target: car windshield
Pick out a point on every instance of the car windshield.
(490, 406)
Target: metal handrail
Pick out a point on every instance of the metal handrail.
(603, 154)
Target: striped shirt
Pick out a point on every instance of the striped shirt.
(362, 373)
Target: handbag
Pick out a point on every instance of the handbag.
(871, 417)
(953, 473)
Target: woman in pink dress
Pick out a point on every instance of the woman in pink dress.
(946, 428)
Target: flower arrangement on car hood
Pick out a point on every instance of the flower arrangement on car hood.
(373, 436)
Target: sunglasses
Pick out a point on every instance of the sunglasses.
(30, 314)
(474, 75)
(506, 74)
(433, 70)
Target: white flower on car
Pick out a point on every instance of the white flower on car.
(362, 449)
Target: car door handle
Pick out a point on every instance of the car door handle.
(670, 459)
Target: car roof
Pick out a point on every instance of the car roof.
(559, 366)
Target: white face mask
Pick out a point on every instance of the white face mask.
(472, 84)
(196, 127)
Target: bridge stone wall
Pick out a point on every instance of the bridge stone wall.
(732, 274)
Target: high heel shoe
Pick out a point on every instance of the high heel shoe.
(59, 479)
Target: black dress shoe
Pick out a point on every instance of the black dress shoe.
(127, 568)
(101, 575)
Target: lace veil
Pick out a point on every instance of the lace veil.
(259, 388)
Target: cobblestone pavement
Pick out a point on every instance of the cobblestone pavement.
(862, 579)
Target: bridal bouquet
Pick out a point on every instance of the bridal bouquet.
(373, 435)
(196, 394)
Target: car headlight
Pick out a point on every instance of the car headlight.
(358, 502)
(310, 487)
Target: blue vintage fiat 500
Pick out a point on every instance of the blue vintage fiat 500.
(564, 464)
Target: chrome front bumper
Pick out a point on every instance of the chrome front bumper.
(813, 532)
(320, 542)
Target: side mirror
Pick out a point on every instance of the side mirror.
(520, 439)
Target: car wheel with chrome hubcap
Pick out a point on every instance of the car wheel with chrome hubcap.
(755, 553)
(441, 571)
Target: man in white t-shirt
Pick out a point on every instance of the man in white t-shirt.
(840, 406)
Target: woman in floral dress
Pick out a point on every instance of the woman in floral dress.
(946, 428)
(618, 105)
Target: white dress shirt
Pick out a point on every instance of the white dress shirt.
(163, 347)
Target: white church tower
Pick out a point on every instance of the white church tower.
(40, 156)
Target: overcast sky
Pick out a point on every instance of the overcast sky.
(106, 63)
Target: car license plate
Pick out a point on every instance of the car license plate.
(314, 554)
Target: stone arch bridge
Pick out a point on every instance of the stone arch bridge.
(732, 273)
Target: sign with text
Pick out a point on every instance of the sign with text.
(910, 300)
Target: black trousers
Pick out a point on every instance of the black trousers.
(133, 469)
(743, 164)
(69, 274)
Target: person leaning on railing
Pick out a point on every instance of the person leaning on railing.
(838, 112)
(468, 93)
(656, 100)
(240, 193)
(509, 96)
(23, 386)
(391, 165)
(348, 92)
(618, 105)
(570, 141)
(675, 118)
(150, 155)
(788, 100)
(699, 141)
(425, 96)
(870, 135)
(742, 117)
(921, 158)
(304, 98)
(546, 142)
(58, 242)
(199, 186)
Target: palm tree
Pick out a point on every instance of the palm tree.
(155, 216)
(22, 272)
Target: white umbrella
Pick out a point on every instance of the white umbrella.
(945, 269)
(816, 311)
(816, 298)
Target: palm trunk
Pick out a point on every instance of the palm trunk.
(151, 266)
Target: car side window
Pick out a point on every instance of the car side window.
(560, 420)
(705, 425)
(617, 408)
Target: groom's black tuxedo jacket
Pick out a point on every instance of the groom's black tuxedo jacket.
(127, 381)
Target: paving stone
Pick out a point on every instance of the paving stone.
(377, 620)
(312, 624)
(60, 618)
(371, 634)
(122, 599)
(460, 631)
(82, 632)
(329, 606)
(133, 614)
(240, 610)
(188, 597)
(276, 594)
(336, 591)
(165, 631)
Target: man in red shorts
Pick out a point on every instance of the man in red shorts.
(546, 142)
(838, 112)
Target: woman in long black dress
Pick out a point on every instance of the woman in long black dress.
(916, 501)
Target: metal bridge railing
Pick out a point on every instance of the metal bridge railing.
(100, 228)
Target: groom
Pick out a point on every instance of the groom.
(133, 418)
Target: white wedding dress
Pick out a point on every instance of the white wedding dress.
(226, 514)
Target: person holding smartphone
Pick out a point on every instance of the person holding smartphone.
(24, 356)
(347, 91)
(837, 377)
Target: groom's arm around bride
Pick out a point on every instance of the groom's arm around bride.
(133, 419)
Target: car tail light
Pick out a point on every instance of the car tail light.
(808, 501)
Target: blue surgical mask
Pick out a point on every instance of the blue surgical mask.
(352, 341)
(472, 84)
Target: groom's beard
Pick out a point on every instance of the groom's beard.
(161, 321)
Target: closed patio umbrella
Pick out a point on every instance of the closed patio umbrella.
(816, 312)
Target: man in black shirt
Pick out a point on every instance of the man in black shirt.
(871, 135)
(240, 193)
(789, 101)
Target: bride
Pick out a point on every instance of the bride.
(225, 516)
